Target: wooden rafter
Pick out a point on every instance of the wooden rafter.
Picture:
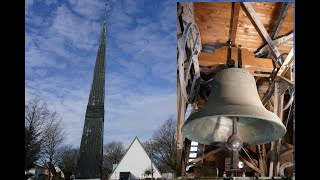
(252, 166)
(280, 20)
(206, 155)
(282, 40)
(260, 28)
(247, 152)
(234, 21)
(288, 151)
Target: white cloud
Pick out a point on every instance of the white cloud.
(139, 115)
(167, 17)
(28, 5)
(88, 8)
(132, 7)
(68, 101)
(81, 33)
(50, 2)
(165, 70)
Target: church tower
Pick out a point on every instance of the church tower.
(89, 163)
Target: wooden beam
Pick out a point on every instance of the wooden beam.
(284, 83)
(280, 20)
(272, 157)
(278, 156)
(264, 158)
(288, 145)
(261, 160)
(234, 21)
(247, 151)
(257, 66)
(206, 155)
(278, 101)
(181, 107)
(251, 165)
(268, 94)
(268, 153)
(287, 152)
(186, 16)
(278, 110)
(283, 39)
(266, 48)
(286, 65)
(260, 28)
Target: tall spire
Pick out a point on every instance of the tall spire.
(89, 163)
(97, 86)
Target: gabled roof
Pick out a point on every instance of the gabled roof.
(126, 154)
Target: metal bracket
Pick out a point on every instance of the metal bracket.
(239, 57)
(229, 62)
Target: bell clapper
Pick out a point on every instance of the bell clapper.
(234, 144)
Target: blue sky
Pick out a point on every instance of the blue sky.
(61, 42)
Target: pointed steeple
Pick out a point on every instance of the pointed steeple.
(89, 163)
(97, 86)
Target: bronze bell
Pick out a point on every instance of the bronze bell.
(233, 94)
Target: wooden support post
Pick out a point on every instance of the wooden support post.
(264, 159)
(278, 110)
(187, 15)
(261, 160)
(279, 98)
(271, 159)
(180, 121)
(278, 156)
(260, 28)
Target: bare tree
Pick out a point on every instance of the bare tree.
(68, 160)
(113, 153)
(53, 137)
(163, 146)
(44, 131)
(36, 115)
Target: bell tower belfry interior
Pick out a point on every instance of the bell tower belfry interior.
(236, 76)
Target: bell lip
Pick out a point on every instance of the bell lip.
(252, 112)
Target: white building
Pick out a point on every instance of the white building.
(134, 164)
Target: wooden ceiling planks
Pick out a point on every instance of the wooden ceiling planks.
(214, 21)
(217, 16)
